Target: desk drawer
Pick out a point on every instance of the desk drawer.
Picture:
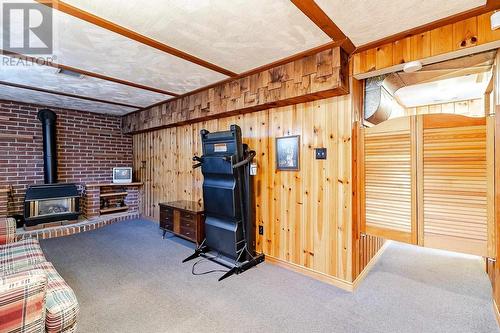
(188, 224)
(188, 232)
(166, 211)
(167, 224)
(187, 216)
(166, 221)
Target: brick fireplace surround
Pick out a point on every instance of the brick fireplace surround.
(89, 146)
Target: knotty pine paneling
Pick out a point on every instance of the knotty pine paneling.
(463, 34)
(314, 77)
(306, 214)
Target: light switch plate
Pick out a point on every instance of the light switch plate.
(320, 153)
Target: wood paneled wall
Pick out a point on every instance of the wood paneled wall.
(460, 35)
(364, 247)
(314, 77)
(306, 214)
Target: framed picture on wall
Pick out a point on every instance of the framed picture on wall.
(288, 153)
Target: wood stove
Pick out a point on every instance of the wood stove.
(51, 201)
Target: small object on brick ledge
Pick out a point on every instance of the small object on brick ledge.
(104, 203)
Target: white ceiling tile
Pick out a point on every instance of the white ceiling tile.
(46, 77)
(365, 21)
(64, 102)
(238, 35)
(86, 46)
(83, 45)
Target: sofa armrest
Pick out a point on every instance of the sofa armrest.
(22, 301)
(7, 230)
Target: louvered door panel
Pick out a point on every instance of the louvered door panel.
(455, 183)
(389, 180)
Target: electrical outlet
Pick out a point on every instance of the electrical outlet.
(261, 229)
(320, 153)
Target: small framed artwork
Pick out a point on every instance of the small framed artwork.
(288, 153)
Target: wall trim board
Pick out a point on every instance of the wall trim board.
(364, 273)
(497, 312)
(318, 76)
(337, 282)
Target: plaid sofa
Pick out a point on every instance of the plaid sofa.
(33, 296)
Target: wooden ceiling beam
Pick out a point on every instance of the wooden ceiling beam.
(42, 62)
(488, 7)
(314, 12)
(108, 25)
(53, 92)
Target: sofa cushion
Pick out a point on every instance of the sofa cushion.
(22, 300)
(7, 230)
(61, 304)
(19, 256)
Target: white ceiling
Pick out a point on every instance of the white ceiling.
(365, 21)
(237, 35)
(84, 45)
(46, 99)
(48, 78)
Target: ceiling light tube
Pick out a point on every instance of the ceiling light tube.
(412, 66)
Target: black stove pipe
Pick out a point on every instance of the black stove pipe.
(48, 119)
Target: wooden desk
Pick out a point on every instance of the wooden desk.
(184, 219)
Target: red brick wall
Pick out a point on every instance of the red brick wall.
(89, 146)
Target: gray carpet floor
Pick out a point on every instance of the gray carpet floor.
(128, 279)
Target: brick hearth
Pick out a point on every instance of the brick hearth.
(70, 229)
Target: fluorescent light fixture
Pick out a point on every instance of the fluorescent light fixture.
(443, 91)
(412, 66)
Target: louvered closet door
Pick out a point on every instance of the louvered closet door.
(456, 204)
(388, 186)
